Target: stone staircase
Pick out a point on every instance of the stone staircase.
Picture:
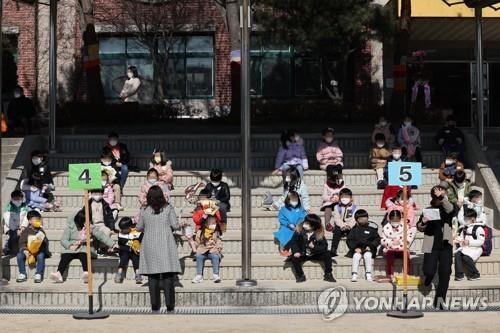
(10, 147)
(276, 280)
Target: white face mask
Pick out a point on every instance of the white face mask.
(106, 163)
(345, 201)
(448, 161)
(395, 224)
(288, 179)
(215, 184)
(113, 142)
(329, 140)
(36, 160)
(339, 181)
(382, 123)
(17, 94)
(97, 197)
(152, 181)
(296, 138)
(307, 227)
(478, 203)
(396, 156)
(380, 144)
(104, 183)
(294, 203)
(130, 75)
(212, 226)
(17, 203)
(407, 123)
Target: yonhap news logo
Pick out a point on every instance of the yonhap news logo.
(334, 302)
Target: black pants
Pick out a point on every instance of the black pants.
(324, 257)
(165, 281)
(463, 260)
(125, 256)
(337, 235)
(418, 153)
(66, 258)
(439, 261)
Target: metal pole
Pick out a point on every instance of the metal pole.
(246, 172)
(1, 110)
(53, 75)
(479, 74)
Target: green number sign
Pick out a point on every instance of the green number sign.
(85, 176)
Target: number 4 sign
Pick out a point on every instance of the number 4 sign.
(405, 173)
(85, 176)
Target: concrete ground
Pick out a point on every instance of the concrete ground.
(432, 322)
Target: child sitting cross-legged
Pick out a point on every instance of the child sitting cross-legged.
(129, 242)
(362, 240)
(309, 243)
(208, 246)
(33, 246)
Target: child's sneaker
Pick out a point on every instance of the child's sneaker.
(301, 279)
(37, 278)
(459, 277)
(22, 278)
(118, 278)
(85, 277)
(354, 277)
(474, 278)
(268, 199)
(381, 184)
(56, 277)
(198, 279)
(369, 277)
(329, 278)
(217, 278)
(138, 279)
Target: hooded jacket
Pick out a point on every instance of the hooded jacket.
(390, 233)
(294, 154)
(329, 154)
(474, 234)
(286, 217)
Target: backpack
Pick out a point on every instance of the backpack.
(488, 239)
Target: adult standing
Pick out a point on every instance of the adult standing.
(159, 259)
(20, 113)
(121, 154)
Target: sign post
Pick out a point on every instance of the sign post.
(405, 174)
(86, 177)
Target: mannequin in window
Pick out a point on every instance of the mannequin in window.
(130, 91)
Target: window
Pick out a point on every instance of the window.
(189, 73)
(279, 71)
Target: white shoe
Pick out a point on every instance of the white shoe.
(21, 278)
(37, 278)
(85, 277)
(217, 278)
(56, 277)
(354, 277)
(198, 279)
(369, 277)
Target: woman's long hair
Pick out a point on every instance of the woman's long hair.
(134, 71)
(156, 199)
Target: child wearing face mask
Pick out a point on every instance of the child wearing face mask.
(152, 178)
(293, 182)
(392, 240)
(383, 127)
(459, 188)
(101, 215)
(40, 170)
(34, 247)
(220, 191)
(343, 217)
(396, 203)
(409, 139)
(108, 165)
(108, 194)
(378, 158)
(208, 246)
(290, 215)
(448, 168)
(291, 154)
(163, 166)
(328, 152)
(470, 239)
(451, 139)
(474, 201)
(36, 197)
(14, 221)
(362, 241)
(331, 190)
(309, 243)
(129, 242)
(121, 156)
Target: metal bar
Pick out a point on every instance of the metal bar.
(478, 13)
(53, 75)
(246, 230)
(1, 110)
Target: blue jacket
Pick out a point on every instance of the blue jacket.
(286, 217)
(35, 199)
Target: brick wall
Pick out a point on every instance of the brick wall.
(22, 16)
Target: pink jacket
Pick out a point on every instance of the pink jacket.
(143, 192)
(389, 233)
(329, 154)
(329, 192)
(165, 172)
(109, 196)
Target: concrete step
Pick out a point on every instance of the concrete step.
(263, 268)
(363, 197)
(225, 160)
(182, 179)
(207, 297)
(219, 142)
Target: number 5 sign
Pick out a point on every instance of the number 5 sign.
(85, 176)
(405, 173)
